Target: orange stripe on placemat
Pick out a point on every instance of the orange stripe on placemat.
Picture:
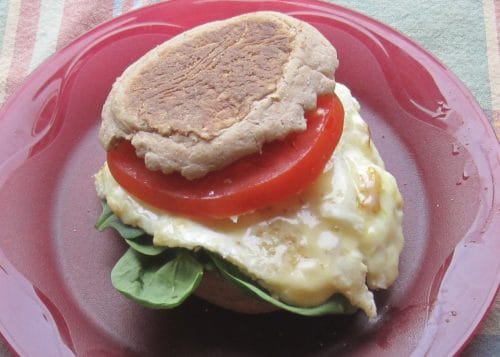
(492, 31)
(25, 40)
(81, 16)
(496, 5)
(127, 6)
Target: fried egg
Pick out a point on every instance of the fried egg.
(343, 234)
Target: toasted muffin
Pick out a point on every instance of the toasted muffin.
(218, 92)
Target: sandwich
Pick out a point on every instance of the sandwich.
(239, 171)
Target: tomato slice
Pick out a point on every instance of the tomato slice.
(282, 169)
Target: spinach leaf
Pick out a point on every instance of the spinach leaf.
(135, 237)
(144, 245)
(337, 304)
(109, 220)
(160, 282)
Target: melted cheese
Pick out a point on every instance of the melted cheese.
(342, 235)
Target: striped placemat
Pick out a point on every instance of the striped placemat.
(464, 34)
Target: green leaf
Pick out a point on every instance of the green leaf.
(144, 245)
(159, 282)
(109, 220)
(337, 304)
(106, 213)
(135, 237)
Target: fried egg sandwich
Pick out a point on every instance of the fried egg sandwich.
(239, 171)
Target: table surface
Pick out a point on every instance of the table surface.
(463, 34)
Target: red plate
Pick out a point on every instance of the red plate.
(430, 131)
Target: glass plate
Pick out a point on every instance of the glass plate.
(56, 294)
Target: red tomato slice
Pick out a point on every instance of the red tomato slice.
(284, 168)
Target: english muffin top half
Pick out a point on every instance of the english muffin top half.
(216, 93)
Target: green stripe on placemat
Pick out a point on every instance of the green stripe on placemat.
(4, 351)
(453, 31)
(483, 345)
(3, 21)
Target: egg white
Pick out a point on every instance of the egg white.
(341, 235)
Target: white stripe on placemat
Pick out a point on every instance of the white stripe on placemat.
(49, 23)
(8, 41)
(490, 22)
(136, 4)
(117, 7)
